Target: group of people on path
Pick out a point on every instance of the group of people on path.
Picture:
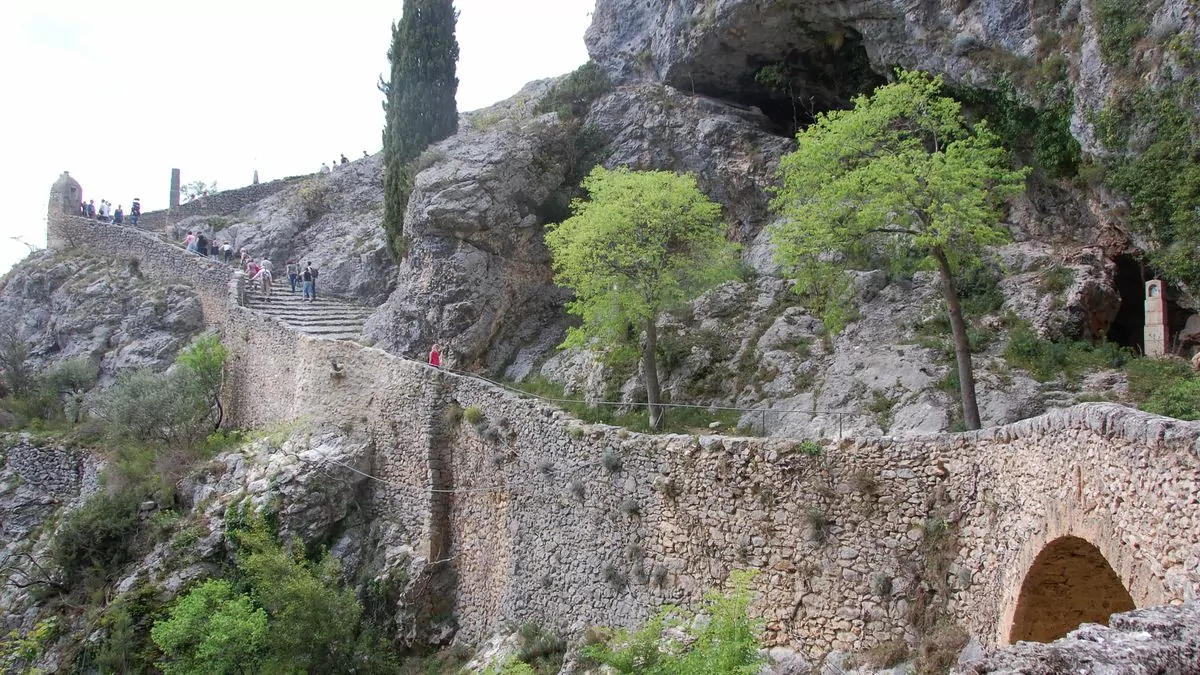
(259, 271)
(325, 168)
(106, 213)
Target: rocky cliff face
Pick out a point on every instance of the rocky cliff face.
(834, 49)
(332, 220)
(92, 305)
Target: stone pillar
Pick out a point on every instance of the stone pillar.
(1156, 319)
(255, 177)
(174, 203)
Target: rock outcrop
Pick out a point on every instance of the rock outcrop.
(334, 221)
(95, 306)
(1141, 642)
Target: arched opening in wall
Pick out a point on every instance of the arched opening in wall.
(1128, 327)
(1069, 583)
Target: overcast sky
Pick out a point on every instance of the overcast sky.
(118, 92)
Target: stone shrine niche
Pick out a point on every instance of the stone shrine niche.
(65, 195)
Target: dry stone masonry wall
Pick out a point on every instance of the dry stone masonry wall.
(521, 513)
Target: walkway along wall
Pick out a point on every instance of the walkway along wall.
(539, 517)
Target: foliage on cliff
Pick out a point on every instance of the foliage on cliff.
(642, 244)
(901, 177)
(419, 99)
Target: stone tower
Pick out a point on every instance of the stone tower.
(1156, 319)
(65, 196)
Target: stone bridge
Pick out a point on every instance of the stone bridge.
(522, 513)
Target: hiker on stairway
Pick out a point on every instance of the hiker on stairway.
(293, 272)
(263, 277)
(189, 242)
(312, 272)
(307, 278)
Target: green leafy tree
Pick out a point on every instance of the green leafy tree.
(643, 243)
(419, 100)
(70, 381)
(727, 643)
(212, 629)
(315, 621)
(205, 360)
(901, 176)
(196, 189)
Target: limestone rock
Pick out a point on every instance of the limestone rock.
(334, 221)
(1144, 641)
(91, 305)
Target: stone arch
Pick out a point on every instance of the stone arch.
(1069, 583)
(1062, 521)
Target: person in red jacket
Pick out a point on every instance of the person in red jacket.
(435, 356)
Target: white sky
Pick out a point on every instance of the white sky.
(120, 91)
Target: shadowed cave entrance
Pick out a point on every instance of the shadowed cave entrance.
(1128, 326)
(1069, 583)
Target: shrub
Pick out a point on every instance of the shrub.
(630, 507)
(939, 649)
(610, 460)
(576, 489)
(95, 539)
(313, 198)
(886, 654)
(540, 649)
(1120, 26)
(1147, 376)
(212, 629)
(818, 523)
(1180, 399)
(571, 96)
(809, 447)
(1046, 360)
(726, 644)
(473, 415)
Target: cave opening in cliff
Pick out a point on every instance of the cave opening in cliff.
(826, 74)
(1128, 326)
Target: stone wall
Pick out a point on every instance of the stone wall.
(522, 513)
(220, 204)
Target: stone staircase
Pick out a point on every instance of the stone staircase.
(323, 318)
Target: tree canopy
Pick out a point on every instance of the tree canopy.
(420, 98)
(642, 243)
(901, 178)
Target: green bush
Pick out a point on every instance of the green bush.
(1121, 25)
(571, 96)
(212, 629)
(1180, 400)
(95, 540)
(727, 644)
(473, 415)
(1046, 360)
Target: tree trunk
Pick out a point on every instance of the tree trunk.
(962, 346)
(650, 367)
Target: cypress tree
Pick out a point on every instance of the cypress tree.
(419, 105)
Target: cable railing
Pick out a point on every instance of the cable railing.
(761, 413)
